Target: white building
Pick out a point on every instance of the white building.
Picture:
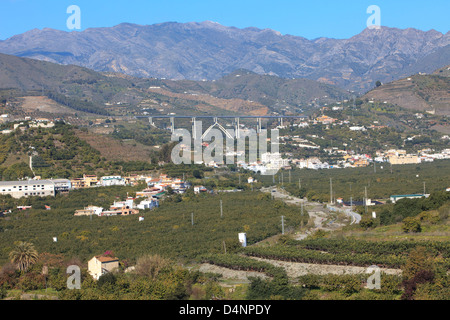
(107, 181)
(312, 163)
(127, 203)
(274, 159)
(395, 198)
(19, 189)
(95, 210)
(62, 185)
(100, 265)
(356, 128)
(148, 204)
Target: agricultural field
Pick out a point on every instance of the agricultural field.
(181, 228)
(381, 182)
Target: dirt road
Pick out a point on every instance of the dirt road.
(315, 210)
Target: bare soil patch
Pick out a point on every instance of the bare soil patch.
(116, 150)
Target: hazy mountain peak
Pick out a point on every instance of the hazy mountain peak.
(209, 50)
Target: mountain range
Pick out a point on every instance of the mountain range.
(210, 51)
(241, 92)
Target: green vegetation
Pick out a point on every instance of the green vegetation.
(76, 104)
(411, 216)
(388, 254)
(155, 278)
(277, 287)
(57, 151)
(141, 132)
(409, 208)
(386, 181)
(167, 230)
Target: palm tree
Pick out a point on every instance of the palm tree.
(24, 255)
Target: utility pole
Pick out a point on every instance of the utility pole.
(365, 198)
(221, 209)
(299, 183)
(282, 224)
(331, 191)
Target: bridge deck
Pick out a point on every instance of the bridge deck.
(218, 117)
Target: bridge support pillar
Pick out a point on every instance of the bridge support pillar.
(172, 124)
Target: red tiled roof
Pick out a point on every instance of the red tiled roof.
(106, 259)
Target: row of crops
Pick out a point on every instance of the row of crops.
(388, 254)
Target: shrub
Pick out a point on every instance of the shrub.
(367, 222)
(31, 281)
(391, 284)
(411, 224)
(151, 265)
(3, 292)
(347, 284)
(107, 281)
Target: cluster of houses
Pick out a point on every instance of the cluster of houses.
(35, 123)
(268, 164)
(120, 208)
(271, 163)
(402, 157)
(147, 198)
(350, 160)
(159, 183)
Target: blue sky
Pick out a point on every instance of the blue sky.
(310, 19)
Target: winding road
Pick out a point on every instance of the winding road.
(316, 210)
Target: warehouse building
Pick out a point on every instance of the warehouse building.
(30, 188)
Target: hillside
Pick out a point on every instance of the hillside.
(271, 91)
(79, 88)
(64, 151)
(65, 90)
(420, 92)
(208, 50)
